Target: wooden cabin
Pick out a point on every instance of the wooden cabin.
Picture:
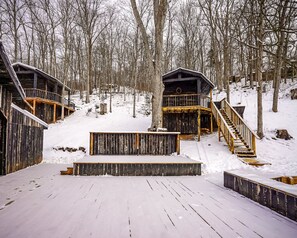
(21, 133)
(44, 93)
(186, 103)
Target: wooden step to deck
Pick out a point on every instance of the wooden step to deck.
(254, 162)
(69, 171)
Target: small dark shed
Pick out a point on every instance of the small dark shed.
(186, 102)
(21, 133)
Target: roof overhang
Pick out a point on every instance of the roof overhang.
(40, 72)
(9, 77)
(188, 71)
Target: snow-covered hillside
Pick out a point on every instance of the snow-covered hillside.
(74, 131)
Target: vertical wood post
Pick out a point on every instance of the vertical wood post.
(178, 144)
(254, 143)
(219, 128)
(211, 123)
(34, 84)
(34, 106)
(137, 142)
(91, 143)
(199, 124)
(55, 112)
(210, 95)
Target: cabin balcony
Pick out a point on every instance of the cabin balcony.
(185, 102)
(48, 97)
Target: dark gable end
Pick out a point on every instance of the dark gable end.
(186, 81)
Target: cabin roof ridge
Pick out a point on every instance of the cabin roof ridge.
(40, 72)
(198, 73)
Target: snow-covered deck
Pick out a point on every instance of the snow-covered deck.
(143, 159)
(136, 165)
(38, 202)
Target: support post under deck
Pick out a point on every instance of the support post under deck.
(199, 124)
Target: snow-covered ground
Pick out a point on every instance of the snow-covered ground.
(38, 202)
(282, 154)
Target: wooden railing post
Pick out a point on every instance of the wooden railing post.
(254, 143)
(178, 144)
(91, 143)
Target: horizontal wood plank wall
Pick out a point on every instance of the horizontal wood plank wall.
(277, 200)
(24, 142)
(133, 143)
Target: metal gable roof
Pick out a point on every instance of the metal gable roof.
(38, 71)
(189, 71)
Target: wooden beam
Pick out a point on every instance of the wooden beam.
(199, 124)
(178, 144)
(24, 72)
(34, 107)
(219, 129)
(210, 94)
(254, 143)
(55, 113)
(91, 143)
(211, 123)
(179, 79)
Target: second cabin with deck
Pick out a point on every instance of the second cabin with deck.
(186, 103)
(188, 108)
(44, 93)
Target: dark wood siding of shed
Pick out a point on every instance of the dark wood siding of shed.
(24, 142)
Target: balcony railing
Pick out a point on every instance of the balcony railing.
(186, 100)
(38, 93)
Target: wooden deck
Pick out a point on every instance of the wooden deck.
(265, 189)
(37, 202)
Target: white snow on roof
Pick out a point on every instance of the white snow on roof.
(30, 115)
(38, 70)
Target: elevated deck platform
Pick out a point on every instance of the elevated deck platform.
(266, 189)
(117, 165)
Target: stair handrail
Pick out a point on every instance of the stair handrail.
(246, 132)
(223, 126)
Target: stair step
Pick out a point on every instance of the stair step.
(246, 156)
(243, 152)
(69, 171)
(254, 162)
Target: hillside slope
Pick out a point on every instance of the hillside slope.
(74, 131)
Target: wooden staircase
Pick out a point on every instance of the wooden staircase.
(240, 139)
(241, 148)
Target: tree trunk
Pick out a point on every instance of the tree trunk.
(279, 55)
(259, 39)
(154, 68)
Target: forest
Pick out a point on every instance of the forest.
(91, 44)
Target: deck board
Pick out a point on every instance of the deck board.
(46, 204)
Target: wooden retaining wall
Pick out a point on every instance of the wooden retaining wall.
(137, 169)
(134, 143)
(280, 201)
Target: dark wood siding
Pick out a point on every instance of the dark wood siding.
(24, 142)
(137, 169)
(185, 123)
(109, 143)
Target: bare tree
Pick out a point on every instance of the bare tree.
(154, 56)
(88, 20)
